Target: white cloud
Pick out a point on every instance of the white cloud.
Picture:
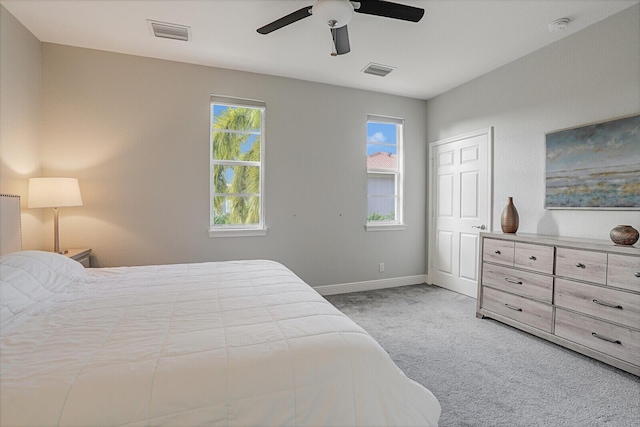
(377, 137)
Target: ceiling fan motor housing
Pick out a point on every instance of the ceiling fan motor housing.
(335, 13)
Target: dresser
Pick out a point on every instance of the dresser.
(579, 293)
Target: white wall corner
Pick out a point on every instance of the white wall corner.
(394, 282)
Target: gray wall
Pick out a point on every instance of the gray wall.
(592, 75)
(20, 113)
(135, 131)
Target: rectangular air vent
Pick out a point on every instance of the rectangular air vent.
(378, 69)
(166, 30)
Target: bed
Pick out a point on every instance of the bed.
(220, 343)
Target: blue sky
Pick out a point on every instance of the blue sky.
(219, 109)
(379, 134)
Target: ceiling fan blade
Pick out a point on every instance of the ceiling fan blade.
(341, 40)
(286, 20)
(390, 10)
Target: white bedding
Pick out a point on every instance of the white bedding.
(222, 343)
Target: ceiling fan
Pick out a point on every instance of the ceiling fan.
(337, 14)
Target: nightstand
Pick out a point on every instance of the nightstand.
(80, 255)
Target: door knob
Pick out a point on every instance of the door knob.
(481, 227)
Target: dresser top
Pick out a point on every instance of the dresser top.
(569, 242)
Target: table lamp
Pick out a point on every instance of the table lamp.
(54, 193)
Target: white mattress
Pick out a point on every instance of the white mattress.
(223, 343)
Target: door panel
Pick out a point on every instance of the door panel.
(444, 253)
(468, 250)
(469, 195)
(459, 206)
(469, 154)
(445, 195)
(445, 158)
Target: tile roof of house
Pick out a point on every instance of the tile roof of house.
(381, 160)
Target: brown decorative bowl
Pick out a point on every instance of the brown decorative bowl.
(624, 235)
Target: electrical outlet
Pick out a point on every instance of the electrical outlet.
(382, 267)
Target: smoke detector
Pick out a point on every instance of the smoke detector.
(166, 30)
(558, 25)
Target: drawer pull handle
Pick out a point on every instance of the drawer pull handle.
(532, 258)
(515, 282)
(637, 274)
(606, 339)
(513, 308)
(580, 265)
(606, 304)
(497, 252)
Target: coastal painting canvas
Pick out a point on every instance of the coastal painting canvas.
(595, 166)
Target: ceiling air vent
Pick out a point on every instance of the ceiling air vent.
(166, 30)
(378, 69)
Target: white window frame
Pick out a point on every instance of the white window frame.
(237, 230)
(398, 223)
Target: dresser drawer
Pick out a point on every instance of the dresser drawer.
(623, 271)
(523, 283)
(532, 313)
(582, 265)
(616, 341)
(499, 251)
(534, 257)
(609, 304)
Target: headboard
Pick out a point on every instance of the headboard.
(10, 225)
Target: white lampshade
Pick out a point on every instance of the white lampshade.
(54, 192)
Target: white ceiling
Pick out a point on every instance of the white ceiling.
(455, 42)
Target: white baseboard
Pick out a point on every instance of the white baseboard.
(345, 288)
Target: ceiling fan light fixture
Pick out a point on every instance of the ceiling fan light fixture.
(338, 12)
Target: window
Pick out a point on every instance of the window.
(384, 173)
(237, 167)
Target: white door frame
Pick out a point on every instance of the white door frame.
(432, 188)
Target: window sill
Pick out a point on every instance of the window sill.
(385, 227)
(237, 232)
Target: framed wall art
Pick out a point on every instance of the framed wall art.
(595, 166)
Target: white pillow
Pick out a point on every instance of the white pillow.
(28, 277)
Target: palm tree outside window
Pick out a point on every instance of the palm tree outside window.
(237, 167)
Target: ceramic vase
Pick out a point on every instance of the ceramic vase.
(624, 235)
(509, 219)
